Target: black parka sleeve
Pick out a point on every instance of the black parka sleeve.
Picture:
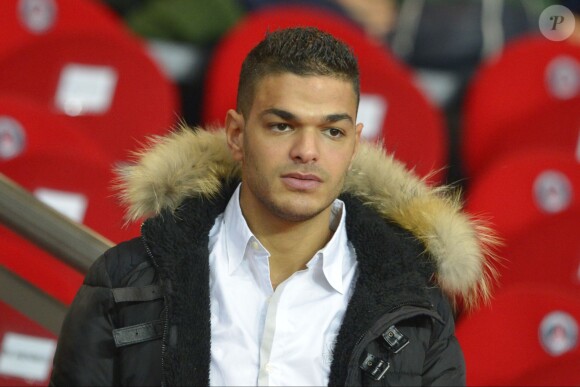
(444, 362)
(85, 352)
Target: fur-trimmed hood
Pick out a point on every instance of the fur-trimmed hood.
(195, 162)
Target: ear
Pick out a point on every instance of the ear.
(235, 133)
(358, 132)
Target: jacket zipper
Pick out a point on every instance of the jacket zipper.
(166, 314)
(353, 374)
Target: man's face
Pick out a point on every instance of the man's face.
(295, 145)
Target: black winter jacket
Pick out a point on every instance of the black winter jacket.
(142, 316)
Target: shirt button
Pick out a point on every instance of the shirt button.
(255, 245)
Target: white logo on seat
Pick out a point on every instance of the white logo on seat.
(12, 138)
(552, 191)
(558, 333)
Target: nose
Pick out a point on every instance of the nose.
(305, 148)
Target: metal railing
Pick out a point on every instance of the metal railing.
(31, 301)
(72, 243)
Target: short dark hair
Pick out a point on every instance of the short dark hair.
(302, 51)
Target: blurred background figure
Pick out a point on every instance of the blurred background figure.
(445, 41)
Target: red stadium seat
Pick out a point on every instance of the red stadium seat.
(23, 21)
(392, 108)
(26, 350)
(528, 97)
(532, 200)
(527, 327)
(28, 128)
(525, 188)
(76, 186)
(107, 85)
(545, 252)
(558, 372)
(55, 161)
(67, 171)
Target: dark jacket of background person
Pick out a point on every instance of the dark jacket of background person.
(142, 316)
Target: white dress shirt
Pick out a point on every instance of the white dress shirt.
(262, 336)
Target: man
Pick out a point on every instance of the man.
(281, 251)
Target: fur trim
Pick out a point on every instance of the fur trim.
(462, 247)
(187, 162)
(194, 162)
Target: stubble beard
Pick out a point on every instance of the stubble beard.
(289, 210)
(287, 213)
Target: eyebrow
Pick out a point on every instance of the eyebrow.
(338, 117)
(288, 116)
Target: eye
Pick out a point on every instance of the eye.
(334, 132)
(280, 127)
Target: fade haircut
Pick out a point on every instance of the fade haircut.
(302, 51)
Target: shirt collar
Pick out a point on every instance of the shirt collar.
(336, 250)
(238, 235)
(239, 238)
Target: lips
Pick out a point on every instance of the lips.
(301, 176)
(301, 182)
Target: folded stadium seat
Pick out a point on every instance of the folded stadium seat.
(23, 21)
(26, 350)
(108, 86)
(527, 327)
(527, 97)
(532, 200)
(392, 108)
